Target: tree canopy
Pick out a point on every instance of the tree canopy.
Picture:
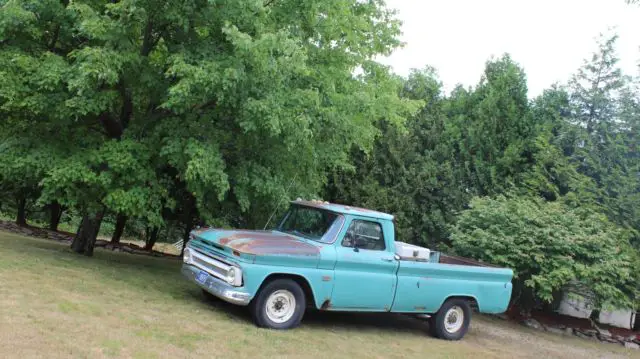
(205, 110)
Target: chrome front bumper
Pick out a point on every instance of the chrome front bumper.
(217, 287)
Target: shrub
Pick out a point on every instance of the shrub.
(550, 247)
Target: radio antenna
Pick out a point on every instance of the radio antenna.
(278, 203)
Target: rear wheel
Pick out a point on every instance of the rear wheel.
(280, 304)
(452, 320)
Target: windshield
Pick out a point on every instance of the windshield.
(308, 222)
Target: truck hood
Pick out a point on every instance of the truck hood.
(260, 243)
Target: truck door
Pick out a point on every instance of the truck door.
(365, 271)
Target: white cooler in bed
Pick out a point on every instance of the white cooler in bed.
(412, 252)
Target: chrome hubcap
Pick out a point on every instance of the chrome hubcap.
(453, 319)
(280, 306)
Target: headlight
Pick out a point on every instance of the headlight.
(186, 256)
(234, 276)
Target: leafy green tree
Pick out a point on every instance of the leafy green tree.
(409, 172)
(32, 90)
(605, 113)
(494, 127)
(22, 169)
(551, 247)
(474, 141)
(552, 174)
(625, 207)
(594, 88)
(206, 109)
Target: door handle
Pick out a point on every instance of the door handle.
(387, 259)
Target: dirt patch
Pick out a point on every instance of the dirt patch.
(36, 232)
(537, 344)
(559, 320)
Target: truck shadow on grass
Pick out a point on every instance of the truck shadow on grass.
(324, 320)
(365, 321)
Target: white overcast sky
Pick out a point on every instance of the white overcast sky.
(549, 38)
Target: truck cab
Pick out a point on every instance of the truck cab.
(340, 258)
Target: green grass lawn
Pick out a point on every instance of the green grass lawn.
(56, 304)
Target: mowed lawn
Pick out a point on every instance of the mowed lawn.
(56, 304)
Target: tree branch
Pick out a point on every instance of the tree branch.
(112, 126)
(127, 105)
(204, 105)
(54, 38)
(147, 40)
(56, 32)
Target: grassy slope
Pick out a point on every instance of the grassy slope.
(57, 304)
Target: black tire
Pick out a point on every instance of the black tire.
(438, 322)
(260, 303)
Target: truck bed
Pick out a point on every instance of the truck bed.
(404, 250)
(425, 283)
(437, 257)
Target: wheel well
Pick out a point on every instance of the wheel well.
(473, 303)
(302, 282)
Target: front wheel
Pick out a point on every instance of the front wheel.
(452, 320)
(279, 305)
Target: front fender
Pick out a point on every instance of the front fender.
(320, 281)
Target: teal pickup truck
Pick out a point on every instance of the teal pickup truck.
(341, 258)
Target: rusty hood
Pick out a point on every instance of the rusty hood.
(260, 243)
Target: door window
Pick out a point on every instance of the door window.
(364, 234)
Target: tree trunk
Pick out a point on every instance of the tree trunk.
(121, 221)
(77, 232)
(21, 218)
(56, 214)
(79, 239)
(151, 241)
(85, 239)
(188, 221)
(595, 315)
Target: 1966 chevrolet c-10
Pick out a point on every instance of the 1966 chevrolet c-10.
(340, 258)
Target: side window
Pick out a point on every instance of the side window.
(368, 235)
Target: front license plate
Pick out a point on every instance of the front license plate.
(201, 277)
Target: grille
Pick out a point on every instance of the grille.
(211, 265)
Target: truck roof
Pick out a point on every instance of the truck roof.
(340, 208)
